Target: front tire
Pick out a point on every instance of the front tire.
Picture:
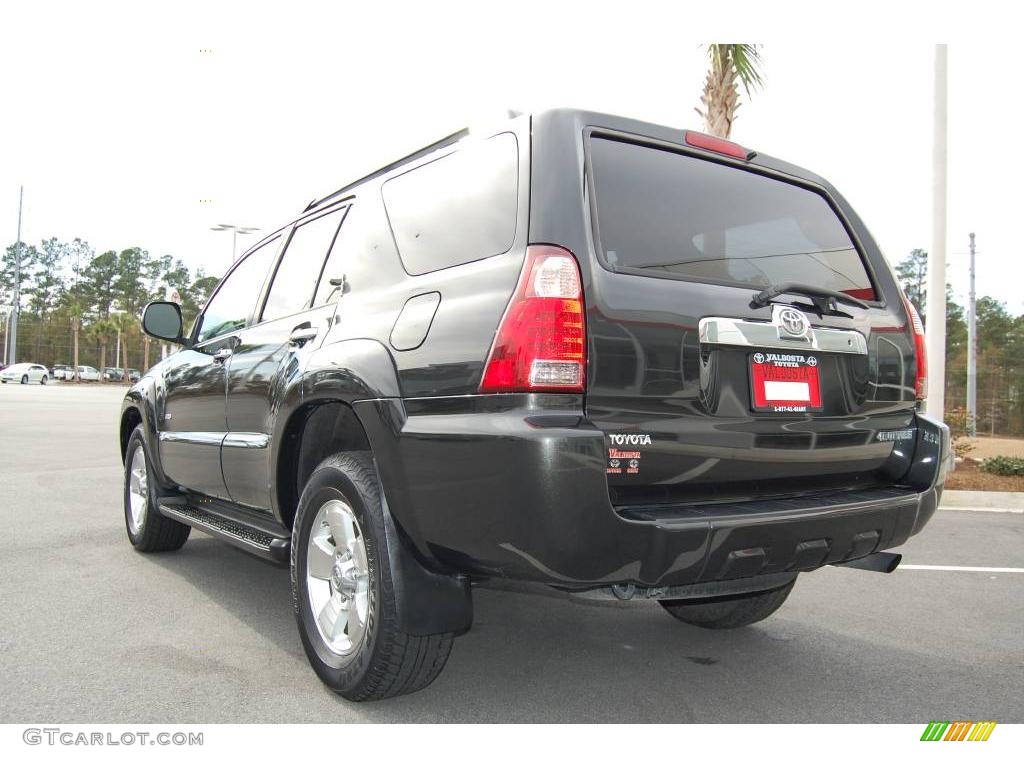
(343, 589)
(729, 612)
(24, 379)
(148, 530)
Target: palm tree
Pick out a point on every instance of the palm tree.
(124, 323)
(99, 332)
(721, 98)
(76, 326)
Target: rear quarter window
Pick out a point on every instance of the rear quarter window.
(459, 208)
(673, 215)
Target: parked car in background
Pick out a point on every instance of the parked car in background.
(88, 373)
(113, 374)
(134, 374)
(61, 372)
(25, 373)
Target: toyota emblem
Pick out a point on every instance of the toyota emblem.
(793, 322)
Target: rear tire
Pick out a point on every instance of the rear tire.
(729, 612)
(43, 381)
(148, 530)
(343, 589)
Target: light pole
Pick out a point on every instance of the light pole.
(12, 322)
(935, 330)
(972, 353)
(235, 232)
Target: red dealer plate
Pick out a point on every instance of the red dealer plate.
(784, 382)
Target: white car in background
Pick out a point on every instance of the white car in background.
(88, 373)
(25, 373)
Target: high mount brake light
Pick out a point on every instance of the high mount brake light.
(920, 352)
(715, 144)
(541, 343)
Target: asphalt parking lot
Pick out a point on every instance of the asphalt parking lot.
(91, 631)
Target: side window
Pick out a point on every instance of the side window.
(340, 261)
(230, 306)
(459, 208)
(297, 273)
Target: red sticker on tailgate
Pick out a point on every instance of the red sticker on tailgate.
(784, 382)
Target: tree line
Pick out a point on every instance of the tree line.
(1000, 352)
(78, 306)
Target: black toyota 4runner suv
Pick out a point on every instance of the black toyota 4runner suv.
(610, 357)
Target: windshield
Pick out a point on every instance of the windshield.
(677, 215)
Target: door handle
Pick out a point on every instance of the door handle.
(301, 335)
(222, 354)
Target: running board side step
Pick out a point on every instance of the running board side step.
(246, 537)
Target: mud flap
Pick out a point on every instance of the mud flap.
(428, 603)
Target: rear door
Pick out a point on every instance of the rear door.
(270, 355)
(704, 393)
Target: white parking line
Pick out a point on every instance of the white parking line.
(977, 569)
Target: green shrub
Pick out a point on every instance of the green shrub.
(1004, 465)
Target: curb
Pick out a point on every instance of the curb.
(982, 509)
(982, 501)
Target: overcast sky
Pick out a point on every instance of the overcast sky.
(119, 126)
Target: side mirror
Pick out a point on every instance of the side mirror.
(162, 320)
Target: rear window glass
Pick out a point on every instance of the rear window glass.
(675, 215)
(457, 209)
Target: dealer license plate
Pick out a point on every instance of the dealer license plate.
(785, 382)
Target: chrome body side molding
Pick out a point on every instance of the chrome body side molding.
(196, 438)
(227, 439)
(246, 440)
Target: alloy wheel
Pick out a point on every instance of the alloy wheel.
(337, 577)
(138, 490)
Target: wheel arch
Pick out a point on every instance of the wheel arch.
(139, 408)
(350, 400)
(131, 417)
(313, 432)
(317, 418)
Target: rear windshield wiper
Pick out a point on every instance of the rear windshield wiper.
(824, 299)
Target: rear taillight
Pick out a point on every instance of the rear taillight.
(541, 344)
(921, 382)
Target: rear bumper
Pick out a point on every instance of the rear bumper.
(514, 487)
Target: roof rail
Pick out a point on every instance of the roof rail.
(450, 139)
